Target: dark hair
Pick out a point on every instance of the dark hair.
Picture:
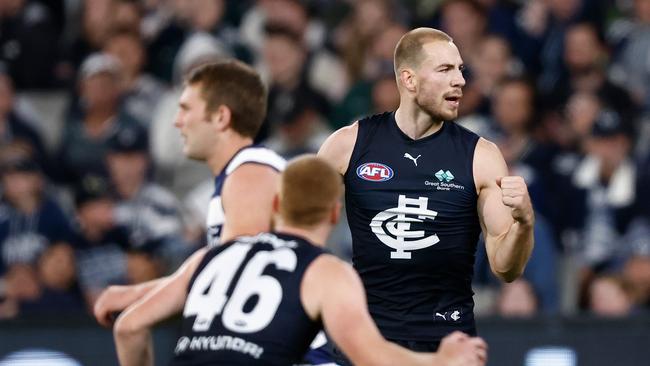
(237, 86)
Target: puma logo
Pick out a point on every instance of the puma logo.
(410, 157)
(442, 316)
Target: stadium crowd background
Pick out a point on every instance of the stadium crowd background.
(96, 189)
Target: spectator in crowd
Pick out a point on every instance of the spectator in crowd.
(517, 300)
(630, 69)
(28, 43)
(140, 91)
(14, 128)
(100, 243)
(151, 214)
(610, 296)
(285, 56)
(96, 23)
(30, 219)
(636, 272)
(83, 146)
(585, 60)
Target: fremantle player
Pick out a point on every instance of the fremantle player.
(259, 300)
(419, 190)
(220, 111)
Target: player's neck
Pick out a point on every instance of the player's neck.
(415, 123)
(316, 235)
(225, 149)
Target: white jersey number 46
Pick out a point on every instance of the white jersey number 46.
(207, 297)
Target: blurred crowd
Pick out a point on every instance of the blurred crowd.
(97, 190)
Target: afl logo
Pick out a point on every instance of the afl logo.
(375, 172)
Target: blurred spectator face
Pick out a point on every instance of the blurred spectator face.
(127, 170)
(194, 124)
(100, 91)
(512, 106)
(97, 20)
(19, 186)
(284, 57)
(370, 16)
(127, 15)
(129, 50)
(6, 95)
(582, 48)
(11, 7)
(642, 10)
(206, 14)
(56, 267)
(288, 13)
(517, 299)
(637, 273)
(22, 283)
(141, 268)
(385, 96)
(610, 150)
(384, 45)
(494, 55)
(581, 111)
(563, 9)
(95, 216)
(607, 297)
(462, 22)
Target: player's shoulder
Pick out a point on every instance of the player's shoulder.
(487, 149)
(256, 155)
(337, 148)
(327, 267)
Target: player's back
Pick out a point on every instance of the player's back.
(244, 307)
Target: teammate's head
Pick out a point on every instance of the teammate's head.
(309, 192)
(217, 97)
(428, 68)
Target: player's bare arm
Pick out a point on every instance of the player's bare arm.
(332, 290)
(246, 200)
(117, 298)
(505, 212)
(132, 329)
(337, 149)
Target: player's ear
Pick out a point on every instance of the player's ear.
(407, 77)
(221, 118)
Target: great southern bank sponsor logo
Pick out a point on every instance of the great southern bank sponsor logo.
(375, 172)
(444, 181)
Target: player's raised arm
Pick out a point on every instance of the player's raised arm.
(332, 290)
(337, 149)
(132, 329)
(505, 213)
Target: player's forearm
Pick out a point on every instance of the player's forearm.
(513, 251)
(389, 354)
(134, 348)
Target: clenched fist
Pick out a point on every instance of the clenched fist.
(514, 194)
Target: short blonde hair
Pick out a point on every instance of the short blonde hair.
(408, 51)
(310, 187)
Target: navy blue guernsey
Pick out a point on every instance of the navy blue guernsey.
(243, 306)
(412, 211)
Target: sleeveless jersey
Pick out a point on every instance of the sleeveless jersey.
(243, 305)
(412, 210)
(250, 154)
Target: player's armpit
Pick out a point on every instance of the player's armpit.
(247, 199)
(337, 149)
